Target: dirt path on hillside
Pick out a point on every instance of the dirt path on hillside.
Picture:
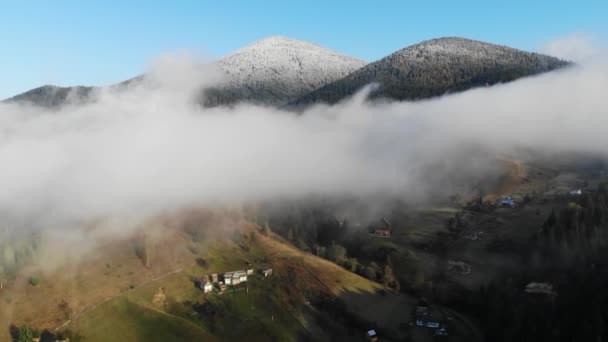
(92, 307)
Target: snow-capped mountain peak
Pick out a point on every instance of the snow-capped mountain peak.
(283, 69)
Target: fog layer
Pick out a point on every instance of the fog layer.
(151, 148)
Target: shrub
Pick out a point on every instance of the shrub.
(34, 281)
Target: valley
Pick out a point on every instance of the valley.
(110, 293)
(424, 187)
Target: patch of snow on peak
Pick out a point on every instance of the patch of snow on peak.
(455, 46)
(290, 66)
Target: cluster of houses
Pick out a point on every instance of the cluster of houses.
(207, 282)
(509, 202)
(427, 317)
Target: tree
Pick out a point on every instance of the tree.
(390, 280)
(603, 188)
(253, 237)
(140, 246)
(265, 228)
(201, 262)
(47, 336)
(351, 264)
(336, 253)
(369, 273)
(26, 334)
(237, 237)
(551, 220)
(34, 281)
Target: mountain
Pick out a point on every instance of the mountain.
(50, 96)
(277, 70)
(271, 71)
(436, 67)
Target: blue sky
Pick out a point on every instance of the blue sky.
(100, 42)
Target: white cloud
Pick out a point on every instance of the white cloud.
(151, 149)
(577, 47)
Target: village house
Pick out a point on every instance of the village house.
(214, 278)
(371, 335)
(576, 192)
(200, 282)
(236, 277)
(228, 278)
(204, 284)
(382, 228)
(507, 202)
(267, 271)
(250, 271)
(208, 287)
(241, 274)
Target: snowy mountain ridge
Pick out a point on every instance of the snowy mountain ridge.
(278, 69)
(280, 59)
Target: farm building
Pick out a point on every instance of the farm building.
(267, 271)
(382, 228)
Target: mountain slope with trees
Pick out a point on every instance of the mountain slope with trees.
(436, 67)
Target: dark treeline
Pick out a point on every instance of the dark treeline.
(581, 223)
(569, 253)
(314, 227)
(578, 311)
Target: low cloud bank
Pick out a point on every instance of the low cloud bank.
(151, 148)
